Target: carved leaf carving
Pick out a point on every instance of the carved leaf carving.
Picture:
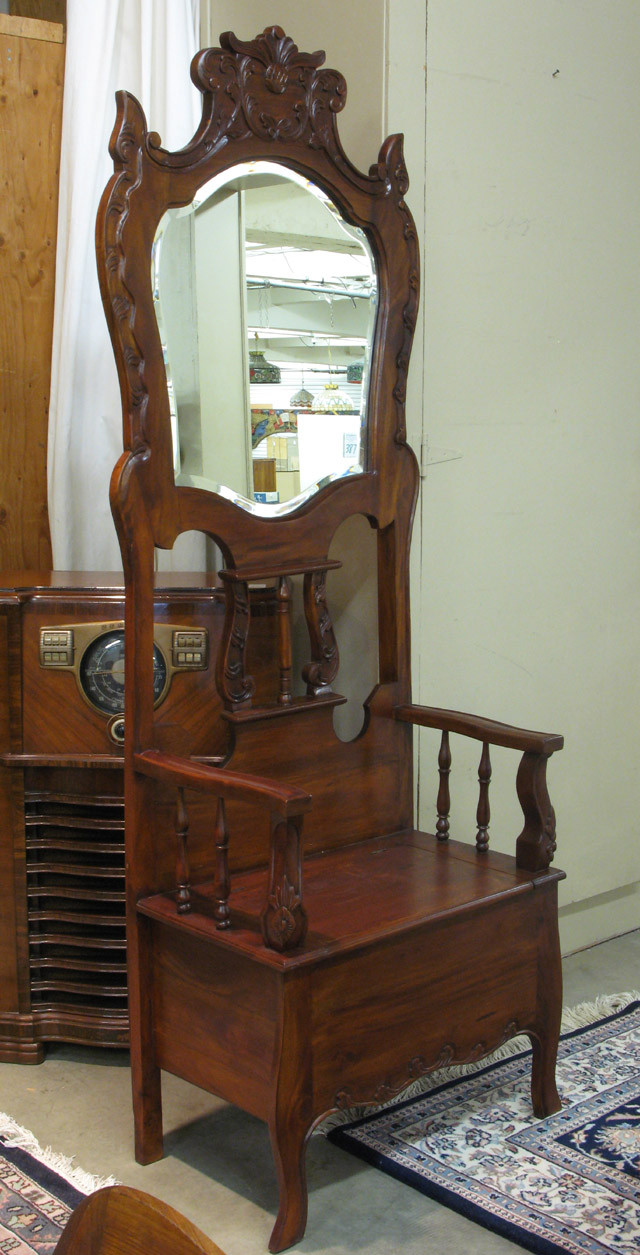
(323, 669)
(283, 904)
(399, 182)
(303, 101)
(125, 148)
(237, 686)
(550, 833)
(418, 1067)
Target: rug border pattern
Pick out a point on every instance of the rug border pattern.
(536, 1238)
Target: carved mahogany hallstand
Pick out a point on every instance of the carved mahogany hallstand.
(295, 986)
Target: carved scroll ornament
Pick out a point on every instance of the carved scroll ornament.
(302, 102)
(323, 669)
(234, 685)
(417, 1067)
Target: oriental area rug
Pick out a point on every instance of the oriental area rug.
(569, 1183)
(38, 1192)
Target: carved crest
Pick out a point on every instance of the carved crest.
(301, 100)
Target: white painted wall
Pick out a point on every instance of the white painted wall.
(524, 388)
(531, 531)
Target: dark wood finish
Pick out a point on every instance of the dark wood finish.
(285, 657)
(325, 663)
(119, 1220)
(483, 813)
(62, 925)
(443, 804)
(481, 729)
(221, 911)
(385, 952)
(183, 894)
(233, 786)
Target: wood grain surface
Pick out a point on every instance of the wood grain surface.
(62, 927)
(119, 1220)
(295, 985)
(31, 81)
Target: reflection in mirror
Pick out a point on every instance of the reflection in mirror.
(265, 299)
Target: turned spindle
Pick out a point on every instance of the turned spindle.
(483, 813)
(444, 798)
(221, 912)
(284, 641)
(183, 895)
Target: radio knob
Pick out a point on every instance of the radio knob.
(115, 728)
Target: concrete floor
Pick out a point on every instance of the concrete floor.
(217, 1169)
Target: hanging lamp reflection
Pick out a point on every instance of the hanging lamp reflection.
(330, 400)
(301, 400)
(260, 370)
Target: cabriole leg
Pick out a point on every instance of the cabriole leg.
(544, 1091)
(288, 1141)
(290, 1122)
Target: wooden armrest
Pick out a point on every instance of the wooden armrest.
(537, 842)
(487, 730)
(284, 919)
(233, 786)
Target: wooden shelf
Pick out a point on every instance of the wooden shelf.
(299, 706)
(249, 575)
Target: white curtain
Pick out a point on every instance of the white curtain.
(144, 46)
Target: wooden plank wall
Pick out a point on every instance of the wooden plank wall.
(31, 85)
(49, 10)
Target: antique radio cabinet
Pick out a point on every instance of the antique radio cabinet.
(62, 926)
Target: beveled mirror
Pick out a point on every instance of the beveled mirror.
(265, 298)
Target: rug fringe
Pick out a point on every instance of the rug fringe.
(14, 1135)
(588, 1012)
(580, 1016)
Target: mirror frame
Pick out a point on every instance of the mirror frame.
(263, 99)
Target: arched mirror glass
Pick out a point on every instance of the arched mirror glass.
(265, 300)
